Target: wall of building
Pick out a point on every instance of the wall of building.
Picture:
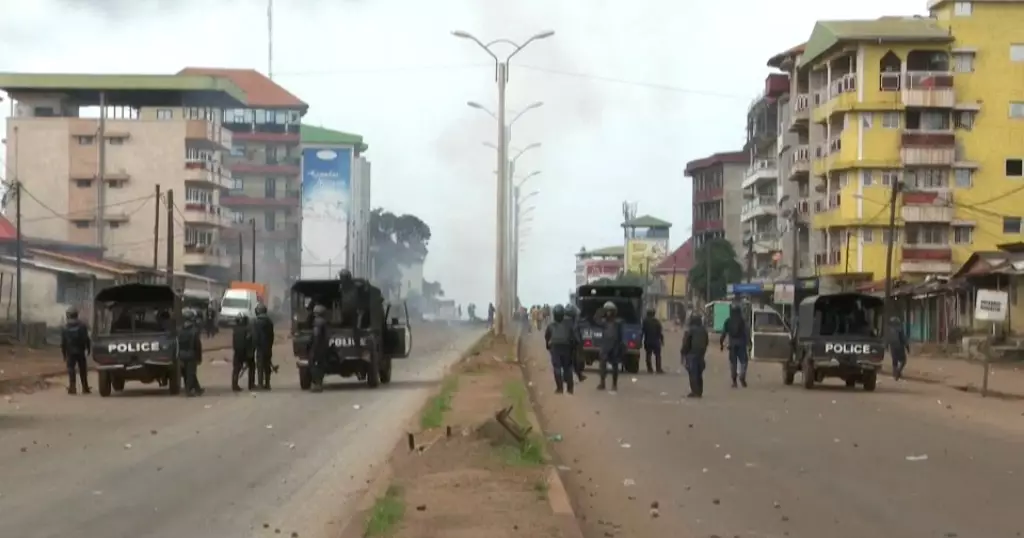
(732, 187)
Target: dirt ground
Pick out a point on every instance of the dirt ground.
(479, 481)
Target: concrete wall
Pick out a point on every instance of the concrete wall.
(732, 186)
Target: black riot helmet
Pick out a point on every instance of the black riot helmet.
(188, 314)
(71, 313)
(558, 312)
(319, 310)
(345, 276)
(261, 309)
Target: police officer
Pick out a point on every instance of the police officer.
(190, 353)
(560, 339)
(577, 360)
(242, 353)
(263, 341)
(739, 338)
(611, 346)
(695, 345)
(74, 346)
(654, 338)
(319, 347)
(899, 346)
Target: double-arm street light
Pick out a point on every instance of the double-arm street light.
(520, 215)
(504, 301)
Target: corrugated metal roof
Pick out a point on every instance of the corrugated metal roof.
(29, 262)
(680, 260)
(259, 89)
(828, 34)
(207, 83)
(311, 134)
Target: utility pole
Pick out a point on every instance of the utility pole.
(750, 258)
(502, 205)
(846, 260)
(794, 263)
(241, 257)
(19, 249)
(252, 224)
(270, 39)
(707, 269)
(156, 230)
(176, 311)
(887, 308)
(101, 183)
(672, 291)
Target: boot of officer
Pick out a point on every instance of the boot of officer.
(263, 339)
(319, 347)
(74, 346)
(241, 356)
(190, 353)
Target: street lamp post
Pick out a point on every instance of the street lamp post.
(501, 75)
(520, 216)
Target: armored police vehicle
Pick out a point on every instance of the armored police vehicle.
(837, 335)
(381, 338)
(628, 301)
(134, 337)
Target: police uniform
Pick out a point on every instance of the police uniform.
(319, 347)
(578, 364)
(263, 341)
(74, 346)
(611, 346)
(560, 339)
(242, 353)
(190, 353)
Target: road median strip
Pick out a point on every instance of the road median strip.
(476, 461)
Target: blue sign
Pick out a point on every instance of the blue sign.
(750, 287)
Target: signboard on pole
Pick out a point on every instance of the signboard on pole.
(784, 294)
(991, 305)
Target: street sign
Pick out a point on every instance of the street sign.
(991, 305)
(783, 294)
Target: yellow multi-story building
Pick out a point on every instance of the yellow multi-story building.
(934, 103)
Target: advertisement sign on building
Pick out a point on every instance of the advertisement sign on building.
(644, 253)
(326, 203)
(594, 270)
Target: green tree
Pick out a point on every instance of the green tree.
(724, 267)
(396, 240)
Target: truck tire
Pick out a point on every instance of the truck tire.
(174, 379)
(807, 372)
(373, 370)
(870, 380)
(104, 382)
(117, 382)
(788, 374)
(631, 364)
(385, 371)
(305, 378)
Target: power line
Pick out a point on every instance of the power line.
(380, 70)
(626, 82)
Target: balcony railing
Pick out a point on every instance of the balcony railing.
(828, 258)
(835, 144)
(832, 201)
(844, 84)
(802, 102)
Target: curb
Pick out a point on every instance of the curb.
(11, 384)
(354, 527)
(558, 497)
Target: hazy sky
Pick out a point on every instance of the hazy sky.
(632, 90)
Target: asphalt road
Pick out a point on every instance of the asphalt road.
(145, 464)
(911, 460)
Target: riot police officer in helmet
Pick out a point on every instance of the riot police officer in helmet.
(74, 346)
(319, 347)
(190, 353)
(242, 353)
(263, 342)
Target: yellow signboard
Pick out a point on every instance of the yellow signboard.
(643, 255)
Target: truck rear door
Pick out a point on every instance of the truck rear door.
(771, 339)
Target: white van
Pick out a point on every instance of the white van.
(237, 302)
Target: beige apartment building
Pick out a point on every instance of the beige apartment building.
(93, 180)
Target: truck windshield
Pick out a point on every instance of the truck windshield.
(234, 302)
(628, 310)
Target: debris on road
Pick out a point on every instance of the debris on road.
(922, 457)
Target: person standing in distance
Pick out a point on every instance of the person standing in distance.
(739, 338)
(75, 345)
(263, 342)
(242, 353)
(560, 339)
(577, 359)
(695, 345)
(654, 338)
(611, 346)
(899, 346)
(190, 353)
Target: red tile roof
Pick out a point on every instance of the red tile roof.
(681, 260)
(260, 91)
(725, 157)
(7, 230)
(776, 60)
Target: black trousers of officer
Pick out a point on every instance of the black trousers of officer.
(656, 352)
(264, 367)
(694, 364)
(238, 360)
(77, 361)
(562, 366)
(191, 370)
(612, 359)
